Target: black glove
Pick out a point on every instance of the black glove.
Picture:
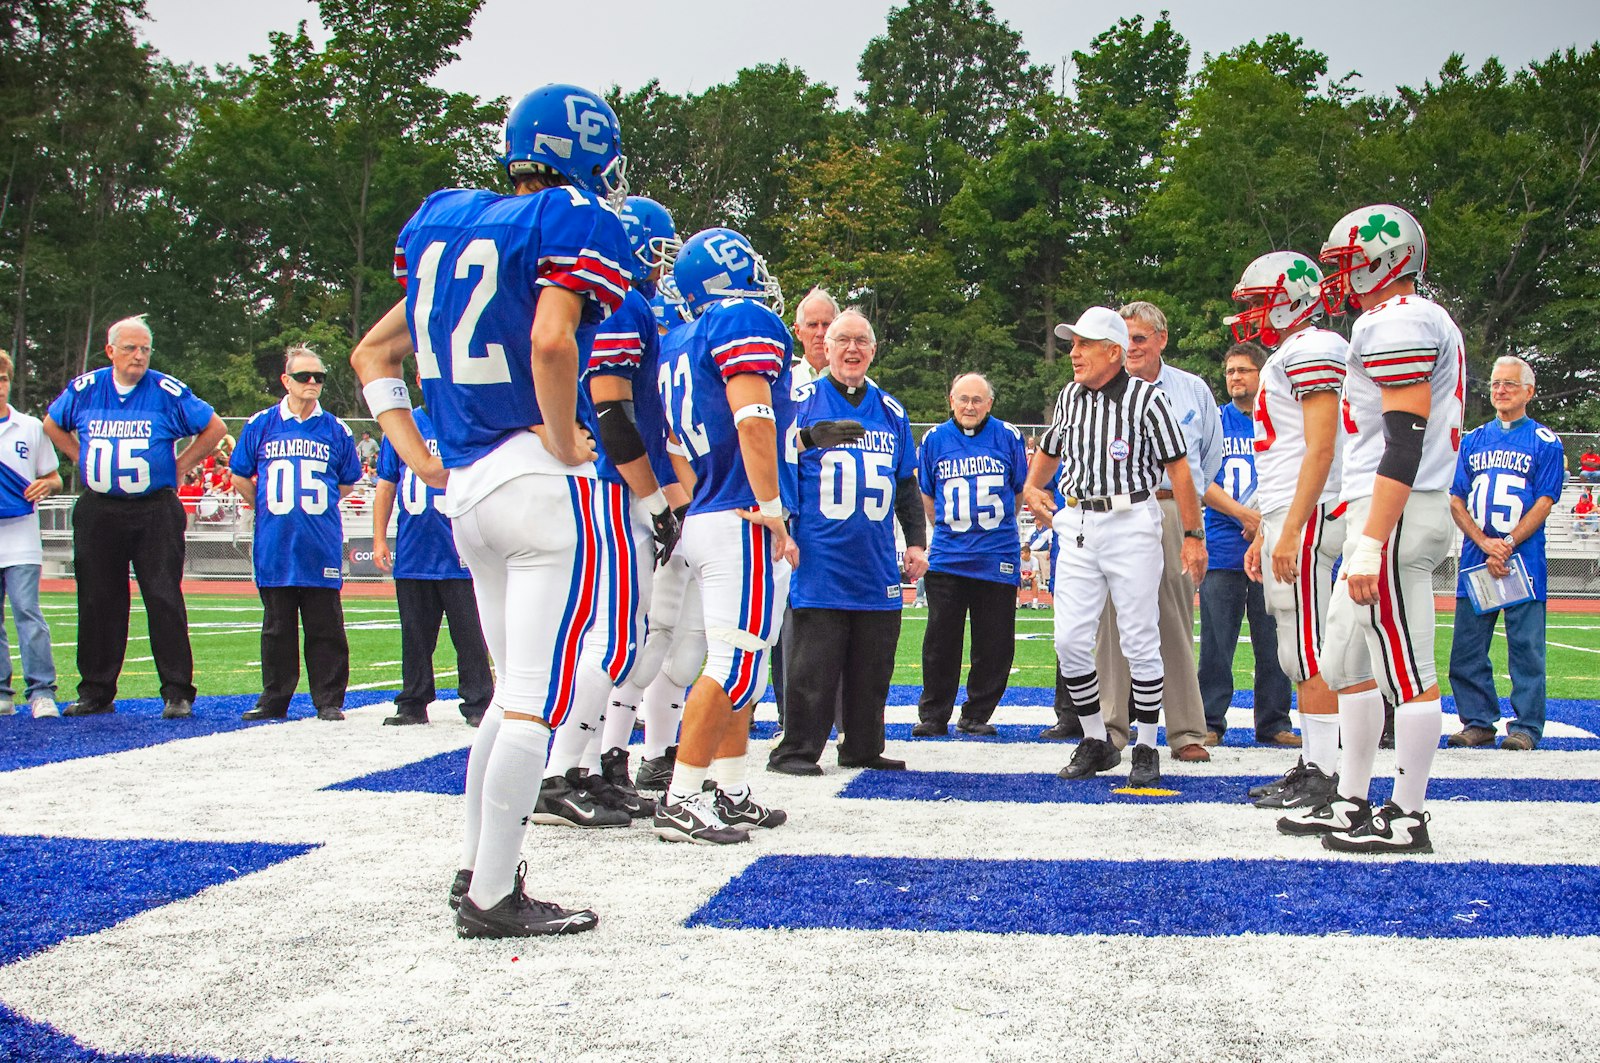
(830, 433)
(665, 527)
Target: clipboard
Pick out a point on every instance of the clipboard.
(1488, 594)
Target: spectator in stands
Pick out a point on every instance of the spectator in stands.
(1589, 467)
(1227, 596)
(367, 451)
(1030, 579)
(31, 463)
(191, 492)
(299, 461)
(1584, 510)
(1508, 476)
(121, 425)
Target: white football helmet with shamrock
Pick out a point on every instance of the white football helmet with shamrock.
(1278, 291)
(1367, 249)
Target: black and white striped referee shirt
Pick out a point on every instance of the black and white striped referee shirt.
(1114, 441)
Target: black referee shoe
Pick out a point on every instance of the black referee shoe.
(1093, 756)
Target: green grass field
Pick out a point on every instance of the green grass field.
(226, 630)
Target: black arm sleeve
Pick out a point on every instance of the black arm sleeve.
(908, 510)
(618, 433)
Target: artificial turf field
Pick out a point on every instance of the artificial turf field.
(225, 633)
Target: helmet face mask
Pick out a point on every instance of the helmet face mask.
(716, 264)
(1278, 292)
(652, 236)
(571, 132)
(1369, 249)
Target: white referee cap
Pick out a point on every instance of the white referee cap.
(1097, 323)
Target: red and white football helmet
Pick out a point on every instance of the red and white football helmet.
(1279, 290)
(1367, 249)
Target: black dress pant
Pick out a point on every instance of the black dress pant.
(108, 534)
(993, 608)
(423, 602)
(856, 644)
(319, 611)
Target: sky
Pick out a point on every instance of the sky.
(518, 45)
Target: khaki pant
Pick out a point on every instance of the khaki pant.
(1182, 711)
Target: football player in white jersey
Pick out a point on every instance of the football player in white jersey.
(1402, 411)
(1297, 491)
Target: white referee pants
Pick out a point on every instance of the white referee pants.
(1120, 557)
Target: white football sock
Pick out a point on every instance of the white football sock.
(477, 763)
(663, 711)
(687, 780)
(1094, 725)
(1321, 733)
(582, 723)
(1361, 725)
(1146, 734)
(618, 731)
(1417, 727)
(730, 775)
(510, 789)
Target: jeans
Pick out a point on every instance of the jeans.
(1226, 596)
(1472, 680)
(20, 583)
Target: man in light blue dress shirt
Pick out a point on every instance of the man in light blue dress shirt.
(1196, 410)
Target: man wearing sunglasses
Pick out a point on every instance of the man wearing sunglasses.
(293, 464)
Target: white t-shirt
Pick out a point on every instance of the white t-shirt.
(25, 455)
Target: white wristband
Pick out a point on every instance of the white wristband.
(1366, 558)
(772, 507)
(385, 394)
(755, 409)
(655, 504)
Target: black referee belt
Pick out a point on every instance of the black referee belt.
(1104, 505)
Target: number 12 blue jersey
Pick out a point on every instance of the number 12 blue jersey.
(474, 264)
(1500, 474)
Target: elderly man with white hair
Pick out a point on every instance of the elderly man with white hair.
(121, 425)
(1508, 476)
(812, 316)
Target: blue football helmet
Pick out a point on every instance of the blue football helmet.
(719, 264)
(668, 309)
(651, 234)
(572, 132)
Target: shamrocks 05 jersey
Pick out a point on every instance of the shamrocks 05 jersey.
(1503, 471)
(973, 481)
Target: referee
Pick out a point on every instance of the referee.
(1112, 437)
(121, 426)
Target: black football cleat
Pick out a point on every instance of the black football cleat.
(520, 916)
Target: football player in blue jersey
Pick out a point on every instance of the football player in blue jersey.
(497, 289)
(431, 583)
(847, 603)
(970, 470)
(1508, 477)
(293, 463)
(586, 781)
(725, 382)
(120, 425)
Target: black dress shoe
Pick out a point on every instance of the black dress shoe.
(1063, 729)
(930, 729)
(177, 709)
(262, 712)
(976, 727)
(89, 708)
(878, 763)
(330, 714)
(794, 767)
(403, 719)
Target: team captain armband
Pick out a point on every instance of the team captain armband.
(755, 409)
(1397, 368)
(385, 394)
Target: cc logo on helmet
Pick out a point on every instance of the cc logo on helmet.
(588, 123)
(727, 251)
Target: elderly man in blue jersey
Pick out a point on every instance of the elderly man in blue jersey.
(846, 604)
(497, 288)
(293, 463)
(971, 469)
(1508, 476)
(121, 426)
(431, 583)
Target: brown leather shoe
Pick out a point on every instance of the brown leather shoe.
(1283, 738)
(1472, 737)
(1194, 753)
(1211, 739)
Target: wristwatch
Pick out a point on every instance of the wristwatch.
(1196, 533)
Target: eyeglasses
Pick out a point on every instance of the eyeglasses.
(1240, 371)
(1505, 385)
(308, 376)
(1134, 337)
(852, 341)
(133, 348)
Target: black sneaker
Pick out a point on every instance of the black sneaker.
(930, 729)
(1311, 787)
(655, 773)
(1146, 770)
(1287, 779)
(976, 727)
(695, 820)
(614, 768)
(1063, 730)
(459, 888)
(602, 790)
(744, 812)
(1388, 830)
(563, 802)
(1092, 756)
(520, 916)
(1340, 814)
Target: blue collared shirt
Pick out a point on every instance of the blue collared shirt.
(1197, 414)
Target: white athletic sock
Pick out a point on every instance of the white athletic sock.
(1321, 733)
(730, 775)
(477, 763)
(1094, 725)
(663, 711)
(1146, 735)
(582, 722)
(1417, 727)
(620, 714)
(510, 789)
(687, 781)
(1361, 725)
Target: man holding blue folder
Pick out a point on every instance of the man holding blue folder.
(1508, 477)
